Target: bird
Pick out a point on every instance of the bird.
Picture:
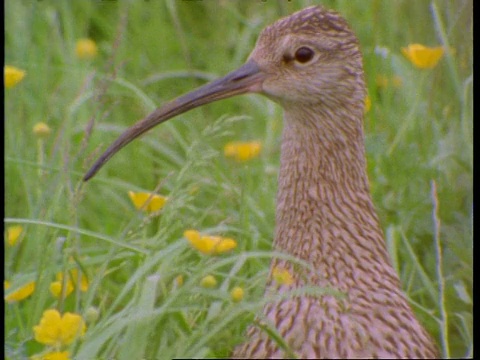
(310, 63)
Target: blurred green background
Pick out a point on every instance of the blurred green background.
(418, 131)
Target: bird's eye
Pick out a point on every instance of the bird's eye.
(304, 54)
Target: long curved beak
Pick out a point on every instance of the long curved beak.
(248, 78)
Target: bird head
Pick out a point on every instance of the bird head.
(308, 58)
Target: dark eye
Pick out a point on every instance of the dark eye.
(304, 54)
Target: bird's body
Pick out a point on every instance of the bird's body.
(325, 216)
(310, 63)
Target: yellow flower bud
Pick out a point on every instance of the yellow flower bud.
(86, 49)
(208, 281)
(237, 294)
(41, 130)
(282, 276)
(92, 314)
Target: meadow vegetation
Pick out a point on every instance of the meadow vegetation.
(134, 282)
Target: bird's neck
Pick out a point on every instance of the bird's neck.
(325, 215)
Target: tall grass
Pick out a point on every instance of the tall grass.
(419, 133)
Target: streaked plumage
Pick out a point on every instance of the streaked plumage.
(310, 63)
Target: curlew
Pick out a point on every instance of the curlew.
(310, 63)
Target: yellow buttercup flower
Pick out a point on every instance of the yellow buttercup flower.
(56, 286)
(12, 75)
(41, 130)
(209, 245)
(74, 279)
(55, 355)
(237, 294)
(208, 282)
(147, 201)
(242, 151)
(423, 57)
(282, 276)
(86, 49)
(21, 293)
(57, 330)
(13, 234)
